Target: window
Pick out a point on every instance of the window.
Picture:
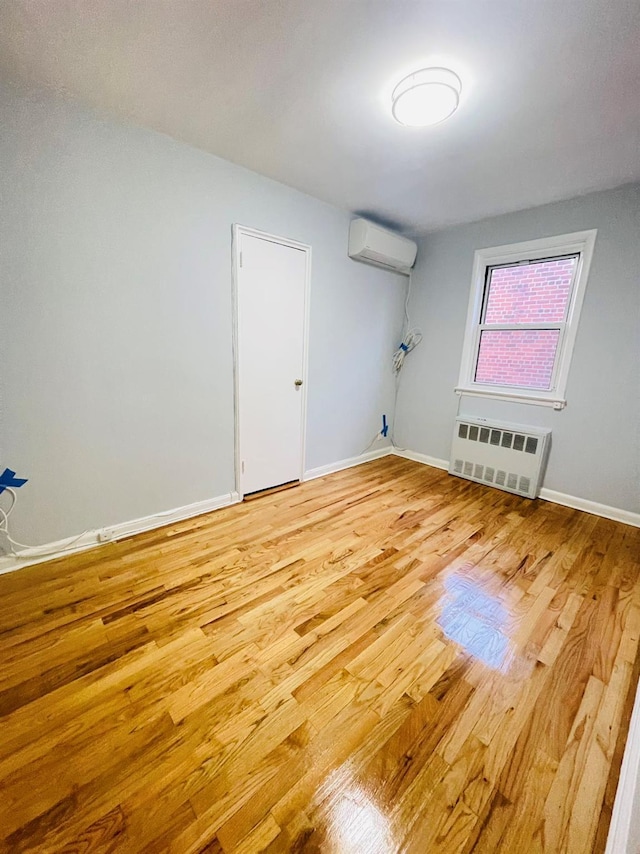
(522, 320)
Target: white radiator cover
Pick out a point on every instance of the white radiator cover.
(508, 456)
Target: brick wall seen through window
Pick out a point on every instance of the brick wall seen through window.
(537, 292)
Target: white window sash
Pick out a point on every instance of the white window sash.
(580, 244)
(510, 327)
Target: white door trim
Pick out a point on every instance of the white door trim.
(237, 231)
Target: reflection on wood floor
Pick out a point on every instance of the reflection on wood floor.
(386, 659)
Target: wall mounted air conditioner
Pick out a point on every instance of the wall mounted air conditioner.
(376, 245)
(508, 456)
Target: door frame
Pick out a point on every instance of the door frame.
(236, 232)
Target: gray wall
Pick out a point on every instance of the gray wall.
(116, 302)
(595, 445)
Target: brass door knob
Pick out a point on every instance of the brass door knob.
(298, 383)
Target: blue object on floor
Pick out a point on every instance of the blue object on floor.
(8, 478)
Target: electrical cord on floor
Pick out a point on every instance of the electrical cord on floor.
(41, 550)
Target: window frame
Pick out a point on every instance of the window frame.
(579, 243)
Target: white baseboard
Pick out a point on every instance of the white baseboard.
(91, 539)
(615, 513)
(421, 458)
(618, 841)
(321, 471)
(627, 801)
(625, 806)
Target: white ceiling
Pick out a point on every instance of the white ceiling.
(295, 89)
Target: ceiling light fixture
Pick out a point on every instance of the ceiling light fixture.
(426, 97)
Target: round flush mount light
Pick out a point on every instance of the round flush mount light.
(426, 97)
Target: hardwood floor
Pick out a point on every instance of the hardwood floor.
(387, 659)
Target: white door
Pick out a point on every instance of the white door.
(271, 296)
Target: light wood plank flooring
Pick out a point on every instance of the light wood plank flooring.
(387, 659)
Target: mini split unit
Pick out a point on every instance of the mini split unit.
(376, 245)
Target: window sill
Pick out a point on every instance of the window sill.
(513, 396)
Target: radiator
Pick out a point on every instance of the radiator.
(507, 456)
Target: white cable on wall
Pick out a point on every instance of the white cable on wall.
(41, 550)
(410, 337)
(409, 342)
